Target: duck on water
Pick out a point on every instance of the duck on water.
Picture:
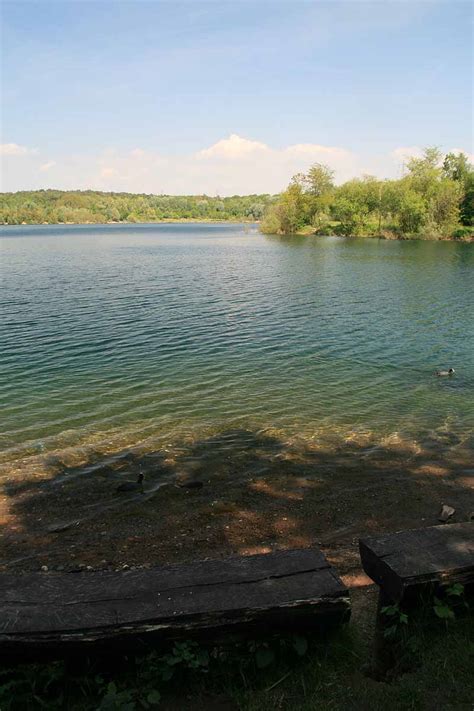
(444, 373)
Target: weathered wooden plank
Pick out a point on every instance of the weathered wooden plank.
(282, 590)
(238, 569)
(400, 561)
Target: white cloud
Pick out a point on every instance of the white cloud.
(107, 172)
(230, 166)
(13, 149)
(47, 166)
(233, 147)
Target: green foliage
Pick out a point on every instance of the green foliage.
(442, 609)
(456, 166)
(351, 215)
(56, 206)
(442, 605)
(429, 202)
(32, 684)
(319, 180)
(463, 233)
(114, 700)
(306, 201)
(264, 654)
(433, 200)
(292, 208)
(141, 687)
(455, 590)
(328, 673)
(270, 224)
(452, 598)
(467, 202)
(397, 618)
(412, 211)
(445, 205)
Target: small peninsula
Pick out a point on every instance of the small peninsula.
(433, 200)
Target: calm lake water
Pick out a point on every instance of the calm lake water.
(113, 334)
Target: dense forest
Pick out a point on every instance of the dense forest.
(434, 200)
(56, 206)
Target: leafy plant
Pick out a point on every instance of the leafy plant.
(28, 684)
(117, 700)
(397, 618)
(443, 608)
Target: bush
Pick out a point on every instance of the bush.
(465, 234)
(270, 225)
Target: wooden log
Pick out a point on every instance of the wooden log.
(58, 612)
(400, 562)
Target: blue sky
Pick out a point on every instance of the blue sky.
(228, 96)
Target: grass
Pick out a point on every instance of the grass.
(330, 675)
(333, 679)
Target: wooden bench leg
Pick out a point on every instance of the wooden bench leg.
(384, 649)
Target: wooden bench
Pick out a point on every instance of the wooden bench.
(404, 565)
(44, 614)
(402, 562)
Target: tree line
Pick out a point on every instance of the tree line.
(433, 200)
(90, 206)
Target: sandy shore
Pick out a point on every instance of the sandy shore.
(259, 493)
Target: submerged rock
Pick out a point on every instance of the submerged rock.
(446, 512)
(60, 527)
(190, 484)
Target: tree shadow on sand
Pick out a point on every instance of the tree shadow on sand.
(259, 493)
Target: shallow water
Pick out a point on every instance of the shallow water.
(119, 334)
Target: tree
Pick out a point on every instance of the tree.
(270, 224)
(291, 208)
(412, 211)
(319, 180)
(456, 166)
(467, 202)
(446, 202)
(425, 172)
(350, 213)
(319, 191)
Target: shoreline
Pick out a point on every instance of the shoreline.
(392, 237)
(164, 221)
(257, 493)
(388, 236)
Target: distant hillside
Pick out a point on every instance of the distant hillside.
(76, 206)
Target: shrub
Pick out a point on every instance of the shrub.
(463, 234)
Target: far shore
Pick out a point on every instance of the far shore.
(307, 232)
(165, 220)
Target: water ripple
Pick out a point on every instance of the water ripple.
(134, 331)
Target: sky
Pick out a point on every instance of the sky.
(228, 96)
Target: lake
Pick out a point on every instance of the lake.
(117, 335)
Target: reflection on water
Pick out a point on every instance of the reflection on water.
(118, 337)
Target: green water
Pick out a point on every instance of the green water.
(119, 333)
